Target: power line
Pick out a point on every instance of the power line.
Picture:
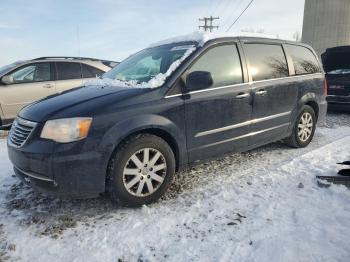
(235, 7)
(211, 8)
(245, 9)
(217, 6)
(208, 23)
(224, 7)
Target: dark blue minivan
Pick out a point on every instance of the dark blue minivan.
(165, 108)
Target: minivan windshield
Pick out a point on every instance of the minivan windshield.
(150, 67)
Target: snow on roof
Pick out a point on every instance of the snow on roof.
(202, 37)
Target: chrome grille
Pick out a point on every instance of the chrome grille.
(20, 131)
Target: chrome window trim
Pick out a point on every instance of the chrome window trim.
(249, 122)
(243, 136)
(287, 77)
(246, 83)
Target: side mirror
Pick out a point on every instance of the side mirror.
(7, 80)
(198, 80)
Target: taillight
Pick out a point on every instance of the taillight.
(325, 87)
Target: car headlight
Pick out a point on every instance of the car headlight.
(67, 129)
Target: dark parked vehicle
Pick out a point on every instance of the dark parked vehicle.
(336, 63)
(208, 99)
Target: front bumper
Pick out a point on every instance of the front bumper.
(67, 170)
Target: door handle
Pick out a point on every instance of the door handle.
(261, 92)
(242, 95)
(48, 86)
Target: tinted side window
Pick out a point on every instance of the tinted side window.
(32, 73)
(224, 64)
(304, 60)
(67, 70)
(90, 71)
(266, 61)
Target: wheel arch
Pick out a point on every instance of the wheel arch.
(159, 132)
(152, 124)
(309, 99)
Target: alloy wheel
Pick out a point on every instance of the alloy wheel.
(305, 126)
(144, 172)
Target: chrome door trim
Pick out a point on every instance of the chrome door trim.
(261, 92)
(242, 96)
(254, 121)
(243, 136)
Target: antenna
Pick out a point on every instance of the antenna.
(78, 40)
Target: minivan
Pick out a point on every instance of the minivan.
(24, 82)
(165, 108)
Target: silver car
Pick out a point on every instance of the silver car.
(27, 81)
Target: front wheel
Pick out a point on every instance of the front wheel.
(304, 128)
(141, 170)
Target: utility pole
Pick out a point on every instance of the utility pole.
(208, 23)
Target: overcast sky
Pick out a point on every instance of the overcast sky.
(113, 29)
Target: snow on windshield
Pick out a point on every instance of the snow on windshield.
(156, 81)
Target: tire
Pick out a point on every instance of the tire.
(303, 132)
(127, 174)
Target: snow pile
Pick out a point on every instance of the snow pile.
(155, 82)
(262, 205)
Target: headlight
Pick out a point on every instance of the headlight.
(67, 129)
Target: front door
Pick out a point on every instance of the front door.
(217, 118)
(31, 82)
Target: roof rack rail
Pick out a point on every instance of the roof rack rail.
(70, 57)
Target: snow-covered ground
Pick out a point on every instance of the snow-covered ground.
(262, 205)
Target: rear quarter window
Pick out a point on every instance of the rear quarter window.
(304, 60)
(266, 61)
(90, 71)
(68, 70)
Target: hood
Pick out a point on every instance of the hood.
(336, 58)
(82, 101)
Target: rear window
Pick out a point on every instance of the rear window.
(266, 61)
(68, 70)
(90, 71)
(304, 60)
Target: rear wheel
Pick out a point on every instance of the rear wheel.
(304, 128)
(141, 170)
